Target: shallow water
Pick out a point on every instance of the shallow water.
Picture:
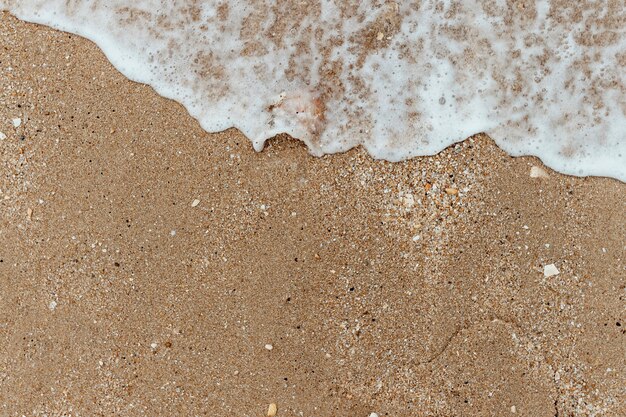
(542, 78)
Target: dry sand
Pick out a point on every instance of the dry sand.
(377, 289)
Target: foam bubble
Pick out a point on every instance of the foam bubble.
(542, 78)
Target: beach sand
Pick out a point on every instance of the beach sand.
(150, 268)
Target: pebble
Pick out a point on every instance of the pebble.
(195, 203)
(2, 136)
(269, 347)
(452, 191)
(550, 270)
(373, 415)
(52, 305)
(272, 410)
(17, 122)
(513, 409)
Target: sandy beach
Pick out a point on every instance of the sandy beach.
(150, 268)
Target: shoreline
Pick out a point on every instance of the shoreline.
(403, 288)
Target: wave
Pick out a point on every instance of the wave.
(402, 79)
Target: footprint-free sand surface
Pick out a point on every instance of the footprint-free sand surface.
(150, 268)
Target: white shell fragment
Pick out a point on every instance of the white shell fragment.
(550, 270)
(536, 172)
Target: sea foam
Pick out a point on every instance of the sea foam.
(402, 79)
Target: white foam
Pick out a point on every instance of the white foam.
(542, 78)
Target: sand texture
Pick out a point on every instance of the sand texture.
(150, 268)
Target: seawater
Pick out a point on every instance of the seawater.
(402, 79)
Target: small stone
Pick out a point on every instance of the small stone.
(452, 191)
(513, 409)
(153, 345)
(536, 172)
(29, 213)
(195, 203)
(272, 410)
(17, 122)
(52, 305)
(550, 270)
(380, 36)
(373, 415)
(269, 347)
(2, 136)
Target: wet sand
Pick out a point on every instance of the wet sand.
(150, 268)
